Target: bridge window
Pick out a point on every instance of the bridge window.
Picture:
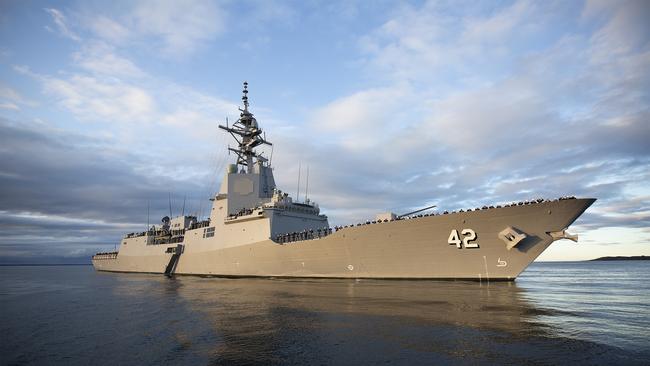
(208, 232)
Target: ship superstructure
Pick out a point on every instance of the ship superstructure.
(255, 229)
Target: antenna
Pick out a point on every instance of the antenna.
(183, 212)
(244, 98)
(247, 134)
(170, 205)
(307, 187)
(148, 201)
(298, 193)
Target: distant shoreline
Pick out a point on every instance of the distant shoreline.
(623, 258)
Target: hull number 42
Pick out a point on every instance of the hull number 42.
(468, 239)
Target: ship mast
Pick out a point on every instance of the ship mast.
(247, 134)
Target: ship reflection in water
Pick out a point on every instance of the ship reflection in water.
(248, 321)
(584, 313)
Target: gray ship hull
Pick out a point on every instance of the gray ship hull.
(415, 248)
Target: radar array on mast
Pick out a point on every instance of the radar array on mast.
(247, 134)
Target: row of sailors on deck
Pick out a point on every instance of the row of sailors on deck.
(303, 235)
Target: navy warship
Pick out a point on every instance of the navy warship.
(256, 229)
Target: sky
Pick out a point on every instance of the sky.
(108, 108)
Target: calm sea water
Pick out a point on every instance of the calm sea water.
(555, 313)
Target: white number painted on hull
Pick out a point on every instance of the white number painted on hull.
(454, 239)
(469, 236)
(501, 263)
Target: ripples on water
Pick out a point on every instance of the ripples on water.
(582, 312)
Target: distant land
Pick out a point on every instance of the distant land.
(621, 258)
(43, 261)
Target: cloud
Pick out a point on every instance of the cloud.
(141, 111)
(551, 124)
(499, 26)
(261, 13)
(92, 98)
(101, 58)
(181, 25)
(108, 29)
(626, 28)
(175, 29)
(61, 24)
(9, 93)
(111, 95)
(423, 43)
(68, 190)
(9, 106)
(10, 99)
(358, 120)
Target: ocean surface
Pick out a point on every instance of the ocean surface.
(555, 313)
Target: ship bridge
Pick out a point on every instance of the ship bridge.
(248, 194)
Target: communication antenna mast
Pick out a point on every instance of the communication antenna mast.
(307, 186)
(170, 205)
(183, 212)
(247, 134)
(298, 191)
